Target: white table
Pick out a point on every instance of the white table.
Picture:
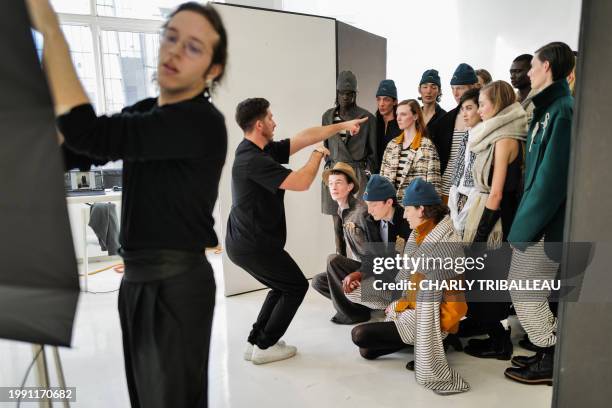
(108, 196)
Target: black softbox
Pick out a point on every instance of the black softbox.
(39, 285)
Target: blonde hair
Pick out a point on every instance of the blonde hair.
(500, 93)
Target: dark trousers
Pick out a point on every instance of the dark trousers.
(166, 327)
(377, 339)
(329, 284)
(278, 271)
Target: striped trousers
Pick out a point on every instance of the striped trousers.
(421, 327)
(532, 308)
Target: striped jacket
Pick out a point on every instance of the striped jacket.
(423, 161)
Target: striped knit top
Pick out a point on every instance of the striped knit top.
(447, 177)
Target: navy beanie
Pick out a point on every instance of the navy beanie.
(430, 76)
(420, 192)
(464, 75)
(387, 88)
(379, 188)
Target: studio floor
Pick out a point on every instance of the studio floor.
(327, 372)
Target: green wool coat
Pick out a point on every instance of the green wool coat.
(542, 208)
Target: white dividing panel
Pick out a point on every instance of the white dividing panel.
(290, 60)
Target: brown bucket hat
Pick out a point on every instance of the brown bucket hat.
(343, 168)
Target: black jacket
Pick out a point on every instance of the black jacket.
(441, 133)
(437, 115)
(399, 228)
(384, 137)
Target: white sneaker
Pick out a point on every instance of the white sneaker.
(277, 352)
(248, 352)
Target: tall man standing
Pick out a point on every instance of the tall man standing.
(447, 132)
(386, 118)
(256, 228)
(520, 80)
(359, 151)
(430, 90)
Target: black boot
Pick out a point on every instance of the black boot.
(470, 327)
(540, 371)
(498, 345)
(410, 365)
(524, 361)
(452, 340)
(528, 345)
(340, 318)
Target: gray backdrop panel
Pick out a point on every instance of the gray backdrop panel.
(583, 372)
(365, 54)
(38, 278)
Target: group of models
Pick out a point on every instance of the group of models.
(387, 179)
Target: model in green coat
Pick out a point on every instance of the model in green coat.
(540, 217)
(542, 208)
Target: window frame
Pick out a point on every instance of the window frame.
(97, 24)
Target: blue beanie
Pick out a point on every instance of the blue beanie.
(379, 188)
(420, 192)
(430, 77)
(387, 88)
(464, 75)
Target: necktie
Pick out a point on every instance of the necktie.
(384, 231)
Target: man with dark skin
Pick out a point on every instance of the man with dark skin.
(359, 150)
(518, 76)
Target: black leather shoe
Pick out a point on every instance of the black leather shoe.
(499, 347)
(470, 327)
(410, 365)
(479, 343)
(528, 345)
(342, 319)
(524, 361)
(540, 371)
(452, 340)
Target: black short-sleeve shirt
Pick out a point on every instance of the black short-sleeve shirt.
(257, 218)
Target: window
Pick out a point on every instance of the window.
(71, 6)
(81, 50)
(145, 9)
(114, 54)
(129, 63)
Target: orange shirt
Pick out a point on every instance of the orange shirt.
(451, 312)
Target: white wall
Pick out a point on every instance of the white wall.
(291, 61)
(442, 33)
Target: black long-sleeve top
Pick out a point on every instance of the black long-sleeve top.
(172, 161)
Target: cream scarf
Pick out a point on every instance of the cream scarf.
(509, 123)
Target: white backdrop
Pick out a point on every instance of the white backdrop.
(442, 33)
(291, 61)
